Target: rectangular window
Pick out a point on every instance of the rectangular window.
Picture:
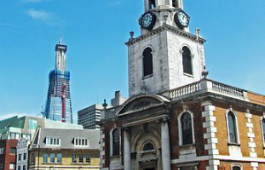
(81, 142)
(24, 156)
(59, 158)
(74, 158)
(19, 157)
(45, 158)
(2, 151)
(19, 167)
(88, 158)
(13, 135)
(12, 166)
(33, 124)
(12, 150)
(32, 158)
(81, 158)
(53, 141)
(52, 158)
(24, 167)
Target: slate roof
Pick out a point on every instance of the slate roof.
(67, 138)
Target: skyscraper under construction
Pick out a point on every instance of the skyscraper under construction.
(58, 104)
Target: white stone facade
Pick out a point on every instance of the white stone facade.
(166, 45)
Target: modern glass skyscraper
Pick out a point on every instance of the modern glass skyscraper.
(58, 104)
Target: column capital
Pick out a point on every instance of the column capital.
(163, 120)
(127, 129)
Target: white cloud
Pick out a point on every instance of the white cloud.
(39, 15)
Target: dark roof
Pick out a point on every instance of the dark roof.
(13, 122)
(67, 136)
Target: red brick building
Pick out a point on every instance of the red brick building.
(175, 117)
(8, 154)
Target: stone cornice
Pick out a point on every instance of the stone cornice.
(163, 28)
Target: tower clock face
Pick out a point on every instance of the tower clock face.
(182, 19)
(148, 20)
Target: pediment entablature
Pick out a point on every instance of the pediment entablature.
(140, 103)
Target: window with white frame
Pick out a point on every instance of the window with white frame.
(52, 158)
(59, 158)
(74, 156)
(45, 157)
(19, 157)
(53, 141)
(147, 62)
(115, 142)
(24, 156)
(81, 142)
(88, 158)
(186, 128)
(232, 128)
(187, 60)
(12, 166)
(236, 167)
(81, 158)
(148, 147)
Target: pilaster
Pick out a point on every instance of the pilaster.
(211, 130)
(165, 145)
(251, 135)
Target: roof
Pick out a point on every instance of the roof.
(67, 137)
(13, 122)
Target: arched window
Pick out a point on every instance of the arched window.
(232, 128)
(186, 59)
(116, 142)
(236, 168)
(263, 127)
(186, 128)
(148, 147)
(148, 62)
(174, 3)
(152, 4)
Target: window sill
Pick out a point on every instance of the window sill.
(80, 163)
(115, 156)
(49, 163)
(187, 145)
(148, 76)
(188, 75)
(148, 152)
(234, 144)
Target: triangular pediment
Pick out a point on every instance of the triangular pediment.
(141, 102)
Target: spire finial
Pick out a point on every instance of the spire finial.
(60, 39)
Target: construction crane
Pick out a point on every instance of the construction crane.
(63, 97)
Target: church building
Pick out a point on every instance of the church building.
(176, 118)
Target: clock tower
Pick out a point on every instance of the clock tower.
(165, 56)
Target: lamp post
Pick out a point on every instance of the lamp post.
(38, 157)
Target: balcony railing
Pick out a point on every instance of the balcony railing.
(206, 85)
(110, 112)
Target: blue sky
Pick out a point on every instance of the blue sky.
(95, 32)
